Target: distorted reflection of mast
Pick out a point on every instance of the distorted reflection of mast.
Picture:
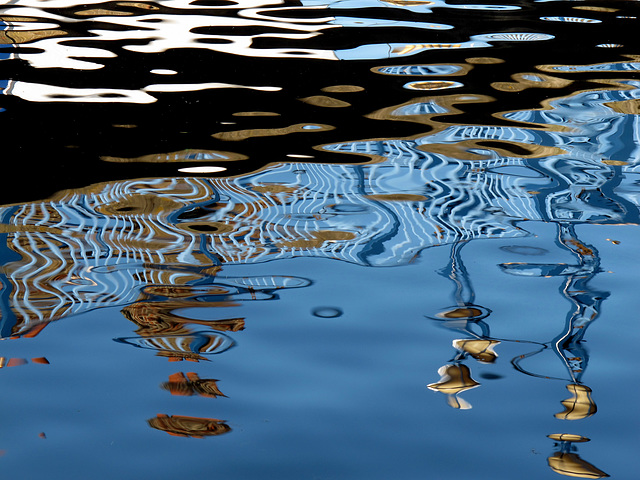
(568, 345)
(455, 377)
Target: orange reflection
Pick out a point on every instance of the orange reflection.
(192, 384)
(181, 426)
(154, 318)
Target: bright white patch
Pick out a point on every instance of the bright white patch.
(163, 71)
(201, 169)
(194, 87)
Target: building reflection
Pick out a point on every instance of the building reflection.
(157, 248)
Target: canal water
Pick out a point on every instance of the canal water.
(350, 239)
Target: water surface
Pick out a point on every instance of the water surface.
(351, 239)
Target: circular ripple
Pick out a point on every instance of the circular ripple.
(326, 312)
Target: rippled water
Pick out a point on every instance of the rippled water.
(349, 239)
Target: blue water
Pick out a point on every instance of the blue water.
(323, 240)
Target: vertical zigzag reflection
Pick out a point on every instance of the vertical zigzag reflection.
(99, 246)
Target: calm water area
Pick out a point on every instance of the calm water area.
(320, 239)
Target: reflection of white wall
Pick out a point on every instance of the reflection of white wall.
(151, 32)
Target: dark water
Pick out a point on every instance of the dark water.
(351, 239)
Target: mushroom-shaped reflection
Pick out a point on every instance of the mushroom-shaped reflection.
(454, 379)
(580, 405)
(568, 463)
